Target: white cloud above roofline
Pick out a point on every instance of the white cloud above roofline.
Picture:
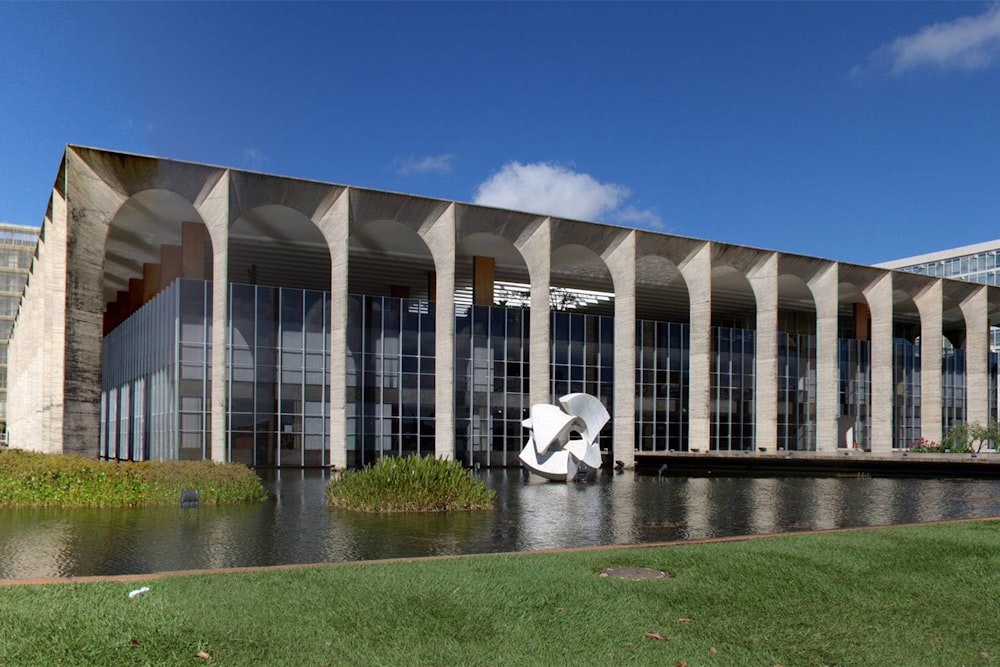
(966, 43)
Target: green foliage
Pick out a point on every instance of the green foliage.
(923, 595)
(961, 439)
(33, 479)
(409, 484)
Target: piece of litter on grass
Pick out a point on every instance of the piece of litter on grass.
(656, 635)
(203, 655)
(135, 642)
(139, 591)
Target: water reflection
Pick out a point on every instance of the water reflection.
(296, 527)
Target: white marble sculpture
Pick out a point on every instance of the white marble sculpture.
(561, 438)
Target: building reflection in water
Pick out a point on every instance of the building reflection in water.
(295, 526)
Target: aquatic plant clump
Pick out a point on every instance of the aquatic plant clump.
(409, 484)
(33, 479)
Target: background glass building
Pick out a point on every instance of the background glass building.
(17, 246)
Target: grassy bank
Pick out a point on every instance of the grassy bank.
(409, 484)
(31, 479)
(927, 595)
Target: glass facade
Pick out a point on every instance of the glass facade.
(855, 393)
(796, 392)
(156, 378)
(952, 388)
(390, 378)
(906, 393)
(733, 389)
(662, 352)
(279, 376)
(491, 384)
(582, 359)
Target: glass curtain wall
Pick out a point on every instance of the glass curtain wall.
(796, 392)
(582, 359)
(733, 388)
(855, 393)
(953, 388)
(491, 384)
(279, 370)
(390, 378)
(906, 394)
(146, 413)
(662, 353)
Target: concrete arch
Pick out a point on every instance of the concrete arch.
(854, 316)
(275, 244)
(581, 280)
(661, 293)
(154, 237)
(491, 269)
(906, 316)
(390, 258)
(796, 305)
(733, 300)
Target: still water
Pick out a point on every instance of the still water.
(296, 527)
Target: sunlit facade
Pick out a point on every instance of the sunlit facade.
(178, 310)
(17, 245)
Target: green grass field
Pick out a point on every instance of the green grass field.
(925, 595)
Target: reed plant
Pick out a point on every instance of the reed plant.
(409, 484)
(33, 479)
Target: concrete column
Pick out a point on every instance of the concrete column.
(193, 250)
(825, 290)
(440, 239)
(91, 204)
(929, 304)
(335, 225)
(879, 296)
(975, 310)
(697, 272)
(483, 269)
(621, 262)
(213, 206)
(764, 281)
(52, 332)
(535, 246)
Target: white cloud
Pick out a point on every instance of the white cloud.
(639, 217)
(253, 158)
(969, 42)
(550, 189)
(430, 164)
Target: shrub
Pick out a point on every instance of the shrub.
(409, 484)
(33, 479)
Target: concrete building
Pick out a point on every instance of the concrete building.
(17, 245)
(978, 263)
(179, 310)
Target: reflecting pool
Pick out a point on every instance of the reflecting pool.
(296, 527)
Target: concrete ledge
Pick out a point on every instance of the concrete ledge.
(840, 462)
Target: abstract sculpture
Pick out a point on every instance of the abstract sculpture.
(551, 450)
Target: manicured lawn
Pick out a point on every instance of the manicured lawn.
(926, 595)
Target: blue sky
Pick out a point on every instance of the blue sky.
(855, 131)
